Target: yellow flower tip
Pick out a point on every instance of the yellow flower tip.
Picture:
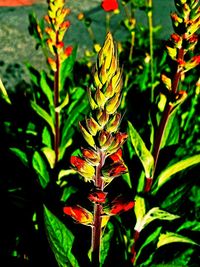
(80, 16)
(116, 11)
(97, 47)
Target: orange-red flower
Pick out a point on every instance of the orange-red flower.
(118, 205)
(109, 5)
(114, 170)
(97, 196)
(82, 167)
(68, 50)
(79, 214)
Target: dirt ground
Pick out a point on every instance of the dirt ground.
(17, 47)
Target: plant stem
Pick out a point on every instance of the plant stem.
(150, 22)
(167, 111)
(96, 230)
(56, 102)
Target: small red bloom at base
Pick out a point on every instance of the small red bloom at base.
(68, 50)
(109, 5)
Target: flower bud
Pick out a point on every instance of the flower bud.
(92, 126)
(88, 137)
(113, 124)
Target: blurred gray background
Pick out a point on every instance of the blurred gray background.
(17, 47)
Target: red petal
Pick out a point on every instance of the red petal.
(109, 5)
(117, 156)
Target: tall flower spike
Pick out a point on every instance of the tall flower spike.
(101, 132)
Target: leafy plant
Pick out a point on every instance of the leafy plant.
(128, 190)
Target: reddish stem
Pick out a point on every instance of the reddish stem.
(96, 230)
(56, 102)
(167, 111)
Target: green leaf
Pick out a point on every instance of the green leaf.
(190, 225)
(170, 237)
(4, 93)
(140, 210)
(171, 133)
(34, 74)
(167, 174)
(143, 153)
(106, 242)
(21, 155)
(66, 67)
(68, 130)
(67, 192)
(46, 137)
(60, 239)
(63, 104)
(46, 88)
(150, 239)
(40, 167)
(154, 214)
(43, 114)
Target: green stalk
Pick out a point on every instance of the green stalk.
(96, 230)
(56, 102)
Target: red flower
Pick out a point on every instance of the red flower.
(117, 156)
(109, 5)
(79, 214)
(68, 50)
(97, 197)
(118, 205)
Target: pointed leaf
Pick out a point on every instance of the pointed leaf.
(4, 93)
(60, 239)
(170, 237)
(151, 238)
(75, 115)
(40, 167)
(46, 88)
(46, 137)
(50, 155)
(106, 242)
(66, 67)
(43, 114)
(166, 175)
(143, 153)
(21, 155)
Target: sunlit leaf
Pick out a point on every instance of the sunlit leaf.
(67, 192)
(171, 133)
(60, 239)
(63, 104)
(50, 155)
(140, 210)
(21, 155)
(40, 167)
(167, 174)
(170, 237)
(42, 113)
(143, 153)
(4, 93)
(154, 214)
(46, 137)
